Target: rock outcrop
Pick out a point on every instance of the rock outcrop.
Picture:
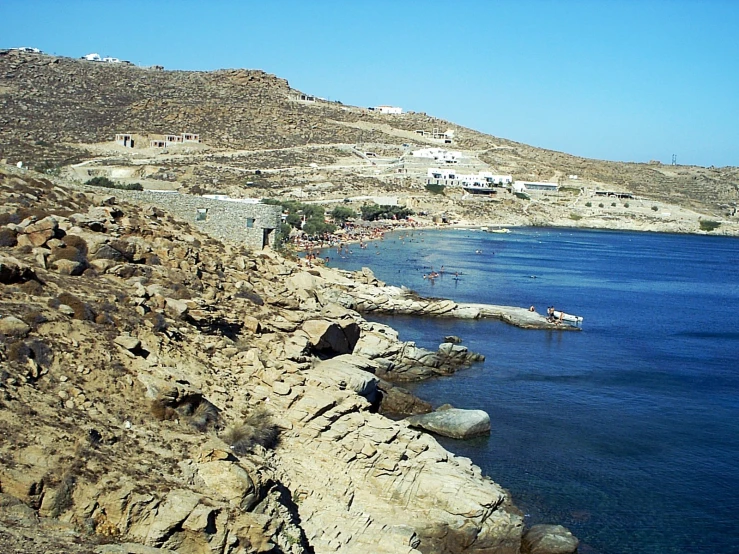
(189, 396)
(549, 539)
(453, 422)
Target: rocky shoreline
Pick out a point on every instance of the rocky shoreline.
(163, 389)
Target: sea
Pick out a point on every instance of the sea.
(626, 432)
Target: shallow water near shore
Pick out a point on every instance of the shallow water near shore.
(627, 432)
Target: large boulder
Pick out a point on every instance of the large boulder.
(11, 326)
(14, 271)
(350, 372)
(399, 401)
(454, 422)
(330, 336)
(548, 539)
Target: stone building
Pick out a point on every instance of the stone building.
(246, 221)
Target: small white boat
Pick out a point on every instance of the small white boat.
(568, 318)
(503, 230)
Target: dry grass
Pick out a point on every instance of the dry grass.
(204, 416)
(8, 237)
(81, 310)
(257, 428)
(161, 411)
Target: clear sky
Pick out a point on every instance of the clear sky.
(626, 80)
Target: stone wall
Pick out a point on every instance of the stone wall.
(223, 219)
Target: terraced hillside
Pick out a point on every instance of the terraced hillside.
(53, 110)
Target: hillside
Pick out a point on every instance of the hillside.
(161, 389)
(58, 111)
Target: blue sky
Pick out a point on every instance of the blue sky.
(626, 80)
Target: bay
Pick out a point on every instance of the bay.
(626, 432)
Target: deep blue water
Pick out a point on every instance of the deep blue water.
(626, 432)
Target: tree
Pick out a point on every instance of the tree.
(373, 212)
(342, 213)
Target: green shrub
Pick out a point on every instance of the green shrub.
(600, 205)
(626, 205)
(522, 195)
(575, 217)
(100, 182)
(435, 188)
(589, 204)
(108, 184)
(707, 225)
(655, 208)
(613, 204)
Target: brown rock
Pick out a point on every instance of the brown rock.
(69, 267)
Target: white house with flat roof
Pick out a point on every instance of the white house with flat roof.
(438, 154)
(521, 186)
(461, 179)
(395, 110)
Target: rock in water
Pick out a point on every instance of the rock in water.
(455, 423)
(549, 539)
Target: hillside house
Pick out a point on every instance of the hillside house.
(438, 154)
(124, 139)
(94, 57)
(523, 186)
(392, 110)
(441, 176)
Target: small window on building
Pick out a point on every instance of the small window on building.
(202, 214)
(249, 222)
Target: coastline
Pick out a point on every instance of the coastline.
(386, 226)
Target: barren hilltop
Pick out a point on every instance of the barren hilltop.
(165, 390)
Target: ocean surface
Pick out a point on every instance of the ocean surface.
(627, 433)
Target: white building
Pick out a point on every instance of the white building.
(521, 186)
(438, 154)
(497, 179)
(483, 178)
(389, 110)
(92, 57)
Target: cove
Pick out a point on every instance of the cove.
(627, 432)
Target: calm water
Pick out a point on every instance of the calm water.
(628, 432)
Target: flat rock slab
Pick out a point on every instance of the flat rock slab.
(520, 317)
(455, 423)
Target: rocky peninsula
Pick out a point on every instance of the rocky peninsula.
(163, 389)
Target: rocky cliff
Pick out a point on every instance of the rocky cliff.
(161, 389)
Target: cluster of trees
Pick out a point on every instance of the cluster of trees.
(373, 212)
(107, 183)
(313, 214)
(310, 218)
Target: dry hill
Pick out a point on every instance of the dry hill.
(56, 111)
